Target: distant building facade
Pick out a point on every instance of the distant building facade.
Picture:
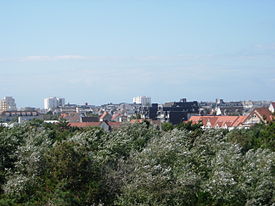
(52, 103)
(7, 104)
(143, 100)
(272, 107)
(229, 108)
(3, 106)
(173, 112)
(21, 116)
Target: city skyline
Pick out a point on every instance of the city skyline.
(61, 101)
(111, 51)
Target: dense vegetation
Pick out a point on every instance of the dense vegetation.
(56, 165)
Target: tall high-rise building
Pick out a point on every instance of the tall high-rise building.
(52, 103)
(7, 104)
(143, 100)
(60, 102)
(3, 106)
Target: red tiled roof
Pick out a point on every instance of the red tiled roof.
(115, 116)
(264, 113)
(114, 124)
(239, 121)
(220, 121)
(85, 124)
(273, 104)
(63, 115)
(103, 115)
(137, 121)
(73, 117)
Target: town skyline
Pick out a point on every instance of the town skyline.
(217, 114)
(66, 101)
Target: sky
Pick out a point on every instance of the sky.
(101, 51)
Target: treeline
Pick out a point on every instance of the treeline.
(56, 165)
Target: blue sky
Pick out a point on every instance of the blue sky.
(100, 51)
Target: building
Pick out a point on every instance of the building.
(143, 100)
(52, 103)
(173, 112)
(220, 122)
(150, 112)
(102, 125)
(105, 117)
(228, 108)
(258, 115)
(272, 107)
(71, 117)
(176, 112)
(68, 108)
(60, 102)
(89, 119)
(23, 119)
(7, 104)
(11, 103)
(3, 106)
(20, 116)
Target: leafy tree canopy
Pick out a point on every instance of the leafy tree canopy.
(55, 164)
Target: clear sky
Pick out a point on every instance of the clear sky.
(101, 51)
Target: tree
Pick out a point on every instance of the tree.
(167, 126)
(48, 164)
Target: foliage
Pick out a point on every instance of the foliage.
(135, 116)
(167, 126)
(50, 116)
(210, 171)
(259, 136)
(10, 140)
(55, 164)
(189, 126)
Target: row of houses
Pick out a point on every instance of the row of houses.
(173, 112)
(258, 115)
(212, 115)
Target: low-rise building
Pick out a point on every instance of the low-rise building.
(258, 115)
(219, 122)
(105, 117)
(20, 116)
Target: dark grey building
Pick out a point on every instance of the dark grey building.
(173, 112)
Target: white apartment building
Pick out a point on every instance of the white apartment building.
(52, 103)
(7, 104)
(143, 100)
